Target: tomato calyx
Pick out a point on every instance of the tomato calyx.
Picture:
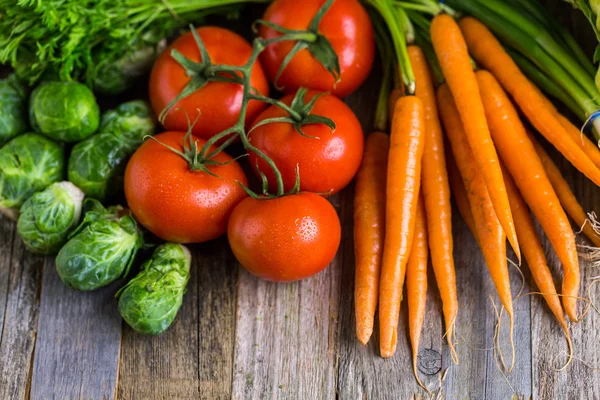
(299, 114)
(311, 39)
(265, 195)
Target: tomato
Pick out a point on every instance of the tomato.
(348, 28)
(176, 203)
(326, 164)
(286, 238)
(219, 103)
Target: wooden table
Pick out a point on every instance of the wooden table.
(243, 338)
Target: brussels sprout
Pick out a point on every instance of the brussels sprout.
(13, 108)
(28, 163)
(101, 249)
(151, 300)
(96, 164)
(48, 217)
(130, 122)
(64, 111)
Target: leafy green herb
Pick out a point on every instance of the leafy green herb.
(104, 43)
(96, 165)
(65, 111)
(101, 249)
(13, 108)
(28, 163)
(151, 300)
(49, 216)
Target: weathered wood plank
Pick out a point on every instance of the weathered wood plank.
(20, 283)
(78, 342)
(194, 357)
(286, 337)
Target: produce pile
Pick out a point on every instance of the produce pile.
(460, 97)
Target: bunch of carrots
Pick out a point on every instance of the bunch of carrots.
(456, 131)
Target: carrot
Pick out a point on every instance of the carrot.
(416, 283)
(369, 231)
(402, 191)
(436, 191)
(525, 166)
(534, 254)
(395, 94)
(460, 194)
(488, 52)
(565, 195)
(489, 231)
(453, 56)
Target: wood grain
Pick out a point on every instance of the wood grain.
(78, 342)
(286, 336)
(20, 283)
(194, 357)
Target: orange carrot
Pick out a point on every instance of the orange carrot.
(395, 94)
(489, 232)
(534, 253)
(565, 195)
(369, 231)
(416, 283)
(436, 191)
(451, 50)
(525, 166)
(460, 194)
(402, 192)
(489, 53)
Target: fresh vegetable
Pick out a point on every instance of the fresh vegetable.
(215, 103)
(284, 239)
(416, 284)
(402, 193)
(488, 230)
(180, 196)
(149, 302)
(101, 249)
(369, 231)
(106, 44)
(49, 216)
(524, 165)
(28, 163)
(534, 254)
(436, 190)
(565, 195)
(13, 108)
(334, 51)
(488, 51)
(459, 193)
(65, 111)
(318, 133)
(96, 165)
(453, 56)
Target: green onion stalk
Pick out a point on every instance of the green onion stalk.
(299, 112)
(524, 27)
(104, 44)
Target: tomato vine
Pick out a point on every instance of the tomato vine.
(205, 71)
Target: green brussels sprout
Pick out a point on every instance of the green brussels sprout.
(151, 300)
(28, 163)
(49, 216)
(101, 249)
(131, 122)
(96, 165)
(13, 108)
(64, 111)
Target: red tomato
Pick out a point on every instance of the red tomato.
(326, 164)
(348, 28)
(176, 203)
(219, 103)
(284, 239)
